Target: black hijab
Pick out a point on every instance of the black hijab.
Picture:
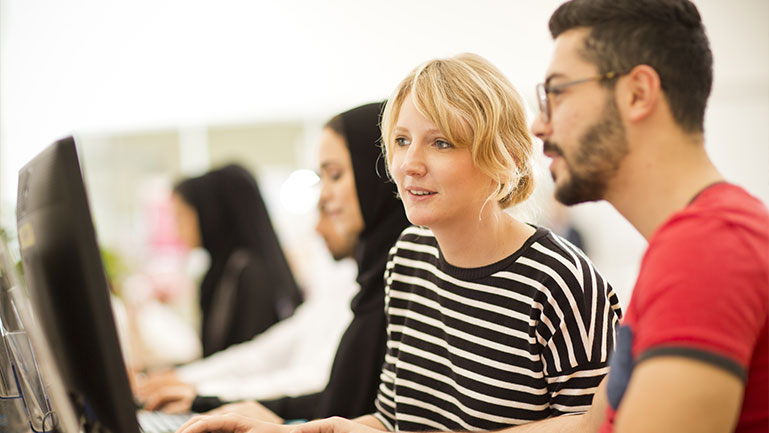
(383, 214)
(232, 217)
(354, 379)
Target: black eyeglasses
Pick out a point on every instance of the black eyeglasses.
(545, 89)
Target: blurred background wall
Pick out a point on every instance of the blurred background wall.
(155, 90)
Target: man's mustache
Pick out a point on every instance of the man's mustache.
(551, 147)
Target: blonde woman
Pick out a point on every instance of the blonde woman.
(492, 322)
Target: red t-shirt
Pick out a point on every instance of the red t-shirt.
(703, 292)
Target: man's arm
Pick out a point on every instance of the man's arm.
(677, 394)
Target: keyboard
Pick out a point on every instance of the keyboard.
(160, 422)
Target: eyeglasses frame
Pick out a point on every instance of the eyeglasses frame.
(545, 89)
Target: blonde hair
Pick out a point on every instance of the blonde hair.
(473, 105)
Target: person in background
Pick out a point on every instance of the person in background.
(366, 218)
(292, 357)
(491, 322)
(249, 285)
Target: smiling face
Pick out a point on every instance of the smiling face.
(341, 220)
(336, 243)
(585, 137)
(437, 181)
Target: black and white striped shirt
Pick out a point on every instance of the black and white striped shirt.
(519, 340)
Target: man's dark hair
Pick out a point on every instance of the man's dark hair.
(667, 35)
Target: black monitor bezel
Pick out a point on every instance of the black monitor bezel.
(68, 288)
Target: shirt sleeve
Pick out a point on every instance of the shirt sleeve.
(577, 331)
(704, 296)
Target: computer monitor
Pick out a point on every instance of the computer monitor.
(68, 289)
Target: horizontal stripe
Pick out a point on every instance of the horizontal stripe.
(457, 351)
(470, 375)
(570, 409)
(468, 393)
(427, 422)
(592, 372)
(418, 248)
(384, 419)
(432, 269)
(446, 312)
(476, 340)
(461, 409)
(411, 280)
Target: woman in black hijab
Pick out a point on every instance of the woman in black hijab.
(354, 379)
(249, 285)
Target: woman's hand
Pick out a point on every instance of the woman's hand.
(334, 425)
(145, 385)
(172, 399)
(231, 423)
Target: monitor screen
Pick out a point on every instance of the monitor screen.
(68, 289)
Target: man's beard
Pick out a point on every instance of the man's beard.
(601, 150)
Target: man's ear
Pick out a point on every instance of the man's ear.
(639, 93)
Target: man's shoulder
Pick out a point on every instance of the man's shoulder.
(726, 204)
(721, 212)
(720, 240)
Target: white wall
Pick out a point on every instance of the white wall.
(94, 65)
(90, 64)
